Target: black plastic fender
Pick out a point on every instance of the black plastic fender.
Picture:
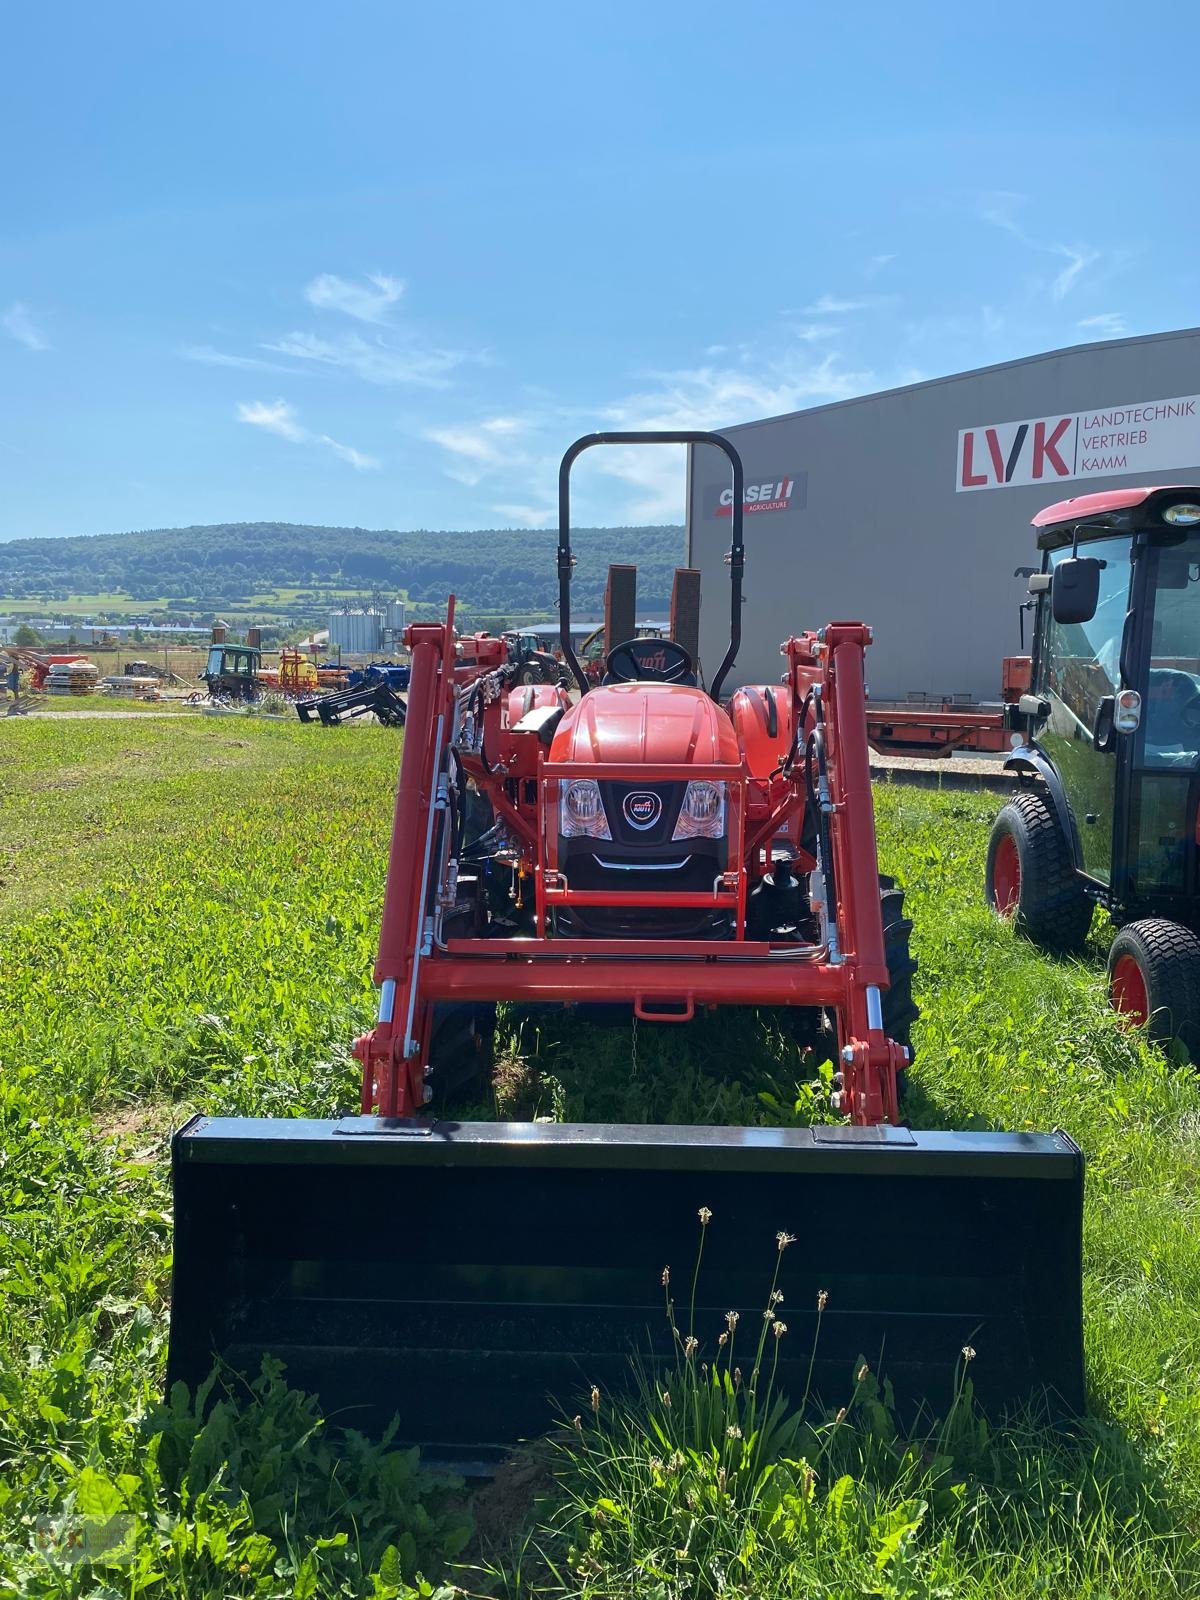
(1028, 758)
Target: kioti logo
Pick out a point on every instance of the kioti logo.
(652, 660)
(1017, 452)
(642, 808)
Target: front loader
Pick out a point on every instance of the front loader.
(655, 849)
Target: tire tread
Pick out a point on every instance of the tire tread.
(1052, 908)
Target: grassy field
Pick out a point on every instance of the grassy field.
(187, 919)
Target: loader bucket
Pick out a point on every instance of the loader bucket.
(466, 1276)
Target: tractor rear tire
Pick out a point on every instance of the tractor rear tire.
(1031, 876)
(461, 1046)
(1154, 980)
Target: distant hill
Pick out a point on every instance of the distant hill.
(492, 569)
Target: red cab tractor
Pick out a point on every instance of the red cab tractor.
(1109, 810)
(648, 846)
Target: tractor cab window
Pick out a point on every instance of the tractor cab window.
(214, 660)
(1171, 710)
(1083, 658)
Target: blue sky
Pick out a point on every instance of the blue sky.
(377, 264)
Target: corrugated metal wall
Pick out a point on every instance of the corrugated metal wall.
(861, 514)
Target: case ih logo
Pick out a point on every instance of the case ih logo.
(1086, 444)
(642, 808)
(777, 494)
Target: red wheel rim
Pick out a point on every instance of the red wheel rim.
(1127, 991)
(1006, 876)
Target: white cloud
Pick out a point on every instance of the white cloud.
(207, 356)
(814, 332)
(876, 264)
(527, 516)
(357, 459)
(1079, 258)
(277, 417)
(467, 442)
(369, 301)
(712, 397)
(18, 323)
(375, 361)
(999, 209)
(832, 305)
(1108, 324)
(280, 418)
(477, 447)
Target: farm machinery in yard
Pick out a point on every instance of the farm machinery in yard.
(374, 689)
(1109, 810)
(651, 851)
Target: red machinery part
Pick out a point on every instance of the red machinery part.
(638, 734)
(1127, 990)
(1006, 876)
(737, 864)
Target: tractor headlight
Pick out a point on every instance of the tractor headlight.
(1182, 515)
(702, 814)
(581, 811)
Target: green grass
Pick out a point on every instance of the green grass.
(187, 920)
(85, 605)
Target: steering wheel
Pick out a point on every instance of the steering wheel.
(1185, 707)
(649, 661)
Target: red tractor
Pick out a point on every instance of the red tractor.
(650, 847)
(1109, 809)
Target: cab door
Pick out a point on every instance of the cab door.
(1079, 667)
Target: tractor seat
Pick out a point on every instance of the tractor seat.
(649, 661)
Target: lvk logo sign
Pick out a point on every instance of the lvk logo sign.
(1144, 437)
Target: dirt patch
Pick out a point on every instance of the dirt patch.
(502, 1507)
(141, 1130)
(64, 780)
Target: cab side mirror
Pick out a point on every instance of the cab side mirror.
(1075, 591)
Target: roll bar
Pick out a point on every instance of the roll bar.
(737, 554)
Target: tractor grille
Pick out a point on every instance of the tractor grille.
(622, 802)
(681, 869)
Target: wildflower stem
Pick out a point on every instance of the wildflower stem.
(812, 1358)
(696, 1277)
(768, 1316)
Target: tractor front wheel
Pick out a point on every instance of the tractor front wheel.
(899, 1008)
(1154, 980)
(461, 1046)
(1031, 875)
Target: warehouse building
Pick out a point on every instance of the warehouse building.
(910, 509)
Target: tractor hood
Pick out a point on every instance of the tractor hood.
(625, 724)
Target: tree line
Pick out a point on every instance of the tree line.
(494, 569)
